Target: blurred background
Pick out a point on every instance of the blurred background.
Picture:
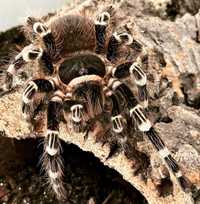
(12, 12)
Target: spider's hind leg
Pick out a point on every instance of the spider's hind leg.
(52, 160)
(137, 113)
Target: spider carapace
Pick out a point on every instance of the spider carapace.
(83, 62)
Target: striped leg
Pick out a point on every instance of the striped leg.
(144, 125)
(45, 33)
(28, 54)
(37, 85)
(75, 113)
(77, 117)
(52, 161)
(134, 69)
(119, 38)
(100, 26)
(116, 118)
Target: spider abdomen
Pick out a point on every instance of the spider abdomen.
(73, 33)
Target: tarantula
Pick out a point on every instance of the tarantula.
(82, 63)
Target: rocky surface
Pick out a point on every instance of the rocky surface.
(174, 90)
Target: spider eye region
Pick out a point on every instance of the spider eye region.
(83, 71)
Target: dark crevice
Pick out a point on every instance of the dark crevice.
(190, 91)
(173, 10)
(165, 119)
(85, 176)
(178, 8)
(166, 187)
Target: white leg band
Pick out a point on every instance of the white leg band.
(144, 123)
(164, 152)
(53, 175)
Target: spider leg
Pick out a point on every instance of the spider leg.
(41, 30)
(28, 54)
(119, 38)
(87, 93)
(134, 69)
(76, 110)
(101, 24)
(52, 161)
(116, 117)
(118, 123)
(137, 112)
(34, 86)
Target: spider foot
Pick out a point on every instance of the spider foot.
(4, 90)
(114, 150)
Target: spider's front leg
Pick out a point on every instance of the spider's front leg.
(42, 31)
(34, 86)
(76, 110)
(52, 161)
(28, 54)
(137, 113)
(101, 24)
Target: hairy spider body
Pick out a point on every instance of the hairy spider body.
(66, 30)
(82, 62)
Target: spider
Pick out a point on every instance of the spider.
(82, 63)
